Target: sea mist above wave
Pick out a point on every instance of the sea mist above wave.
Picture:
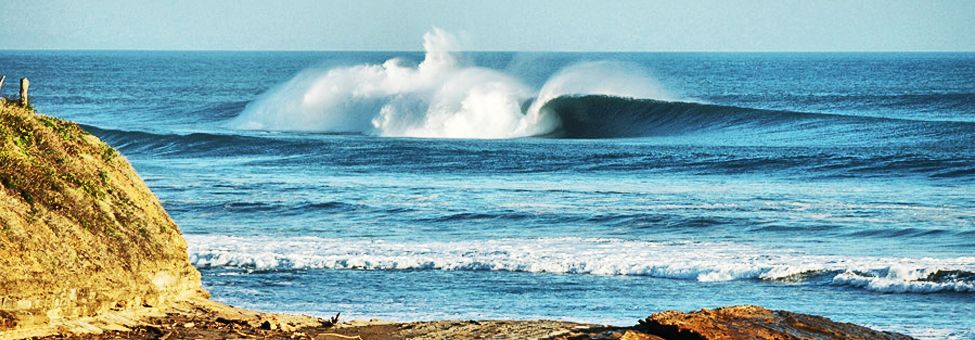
(443, 97)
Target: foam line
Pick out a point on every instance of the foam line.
(696, 261)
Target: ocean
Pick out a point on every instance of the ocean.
(593, 187)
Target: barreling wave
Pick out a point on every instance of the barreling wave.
(600, 116)
(441, 97)
(445, 97)
(698, 261)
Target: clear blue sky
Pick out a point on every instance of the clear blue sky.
(526, 25)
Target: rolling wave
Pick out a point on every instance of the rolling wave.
(605, 117)
(940, 154)
(192, 144)
(600, 116)
(697, 261)
(949, 106)
(443, 96)
(266, 208)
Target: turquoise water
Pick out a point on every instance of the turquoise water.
(833, 184)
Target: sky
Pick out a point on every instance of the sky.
(524, 25)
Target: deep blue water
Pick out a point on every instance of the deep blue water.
(833, 184)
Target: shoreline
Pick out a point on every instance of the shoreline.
(212, 320)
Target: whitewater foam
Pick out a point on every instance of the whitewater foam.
(699, 261)
(443, 96)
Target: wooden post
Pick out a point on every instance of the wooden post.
(24, 84)
(2, 100)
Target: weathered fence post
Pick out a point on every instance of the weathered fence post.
(24, 84)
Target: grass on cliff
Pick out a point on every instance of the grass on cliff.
(15, 102)
(47, 163)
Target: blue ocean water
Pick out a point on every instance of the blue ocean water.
(421, 188)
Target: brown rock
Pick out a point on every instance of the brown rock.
(633, 335)
(753, 322)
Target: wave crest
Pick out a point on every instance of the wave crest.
(441, 97)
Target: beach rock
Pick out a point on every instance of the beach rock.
(634, 335)
(753, 322)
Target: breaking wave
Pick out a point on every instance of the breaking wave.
(599, 116)
(446, 97)
(699, 261)
(442, 96)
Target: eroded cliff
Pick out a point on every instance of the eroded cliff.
(80, 233)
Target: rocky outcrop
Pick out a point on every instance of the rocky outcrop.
(738, 322)
(753, 322)
(80, 233)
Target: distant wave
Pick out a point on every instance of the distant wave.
(192, 144)
(596, 116)
(441, 97)
(599, 116)
(136, 135)
(283, 208)
(922, 104)
(445, 97)
(947, 155)
(698, 261)
(607, 116)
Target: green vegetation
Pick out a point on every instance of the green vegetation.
(108, 153)
(38, 164)
(15, 102)
(67, 131)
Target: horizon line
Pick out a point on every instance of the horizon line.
(472, 51)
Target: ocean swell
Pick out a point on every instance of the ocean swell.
(600, 116)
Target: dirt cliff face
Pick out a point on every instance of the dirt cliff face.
(80, 233)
